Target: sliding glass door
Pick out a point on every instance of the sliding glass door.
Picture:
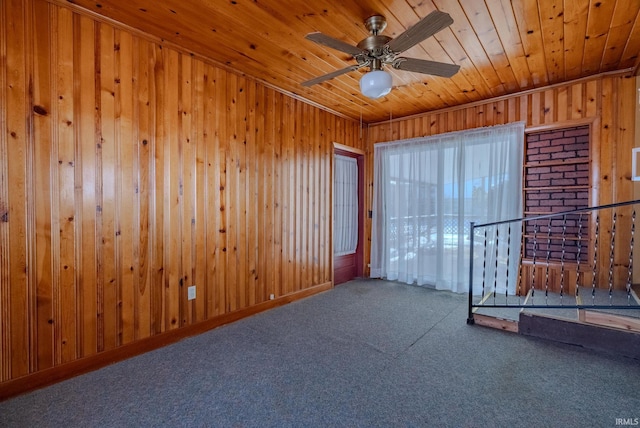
(426, 193)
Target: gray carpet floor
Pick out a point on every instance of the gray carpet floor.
(368, 353)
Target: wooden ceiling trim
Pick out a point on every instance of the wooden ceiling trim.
(331, 107)
(502, 46)
(556, 86)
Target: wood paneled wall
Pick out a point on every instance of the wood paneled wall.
(607, 103)
(130, 171)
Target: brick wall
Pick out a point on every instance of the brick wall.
(556, 179)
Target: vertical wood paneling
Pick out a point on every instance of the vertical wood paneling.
(107, 218)
(278, 197)
(86, 161)
(232, 194)
(157, 194)
(269, 260)
(199, 243)
(126, 188)
(221, 154)
(186, 186)
(15, 310)
(212, 188)
(172, 191)
(239, 141)
(606, 102)
(255, 211)
(142, 267)
(5, 272)
(42, 100)
(64, 219)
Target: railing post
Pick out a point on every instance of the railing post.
(471, 233)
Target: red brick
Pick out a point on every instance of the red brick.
(565, 168)
(551, 135)
(538, 170)
(538, 144)
(551, 149)
(538, 158)
(563, 155)
(583, 130)
(538, 183)
(551, 176)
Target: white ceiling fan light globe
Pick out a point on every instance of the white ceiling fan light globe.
(375, 84)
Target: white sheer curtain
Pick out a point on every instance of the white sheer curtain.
(427, 191)
(345, 205)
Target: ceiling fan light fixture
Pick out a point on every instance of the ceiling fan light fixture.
(375, 84)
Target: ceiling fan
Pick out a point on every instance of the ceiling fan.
(378, 50)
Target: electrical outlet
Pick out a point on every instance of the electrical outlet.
(271, 297)
(191, 292)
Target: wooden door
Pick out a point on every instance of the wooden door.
(349, 266)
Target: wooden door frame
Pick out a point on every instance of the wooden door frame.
(359, 155)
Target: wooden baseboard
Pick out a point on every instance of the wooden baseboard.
(497, 323)
(71, 369)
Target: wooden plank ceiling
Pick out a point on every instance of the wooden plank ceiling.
(502, 46)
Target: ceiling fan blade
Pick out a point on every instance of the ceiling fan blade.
(425, 28)
(426, 67)
(328, 76)
(325, 40)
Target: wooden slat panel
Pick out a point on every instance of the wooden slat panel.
(172, 199)
(5, 273)
(64, 186)
(552, 26)
(598, 24)
(199, 229)
(254, 211)
(187, 187)
(107, 217)
(42, 131)
(575, 18)
(289, 183)
(127, 191)
(86, 161)
(15, 287)
(142, 87)
(240, 193)
(527, 15)
(268, 264)
(278, 195)
(158, 176)
(315, 197)
(212, 208)
(232, 193)
(220, 155)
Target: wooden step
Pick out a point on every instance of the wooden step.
(609, 320)
(495, 322)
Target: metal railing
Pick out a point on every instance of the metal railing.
(574, 249)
